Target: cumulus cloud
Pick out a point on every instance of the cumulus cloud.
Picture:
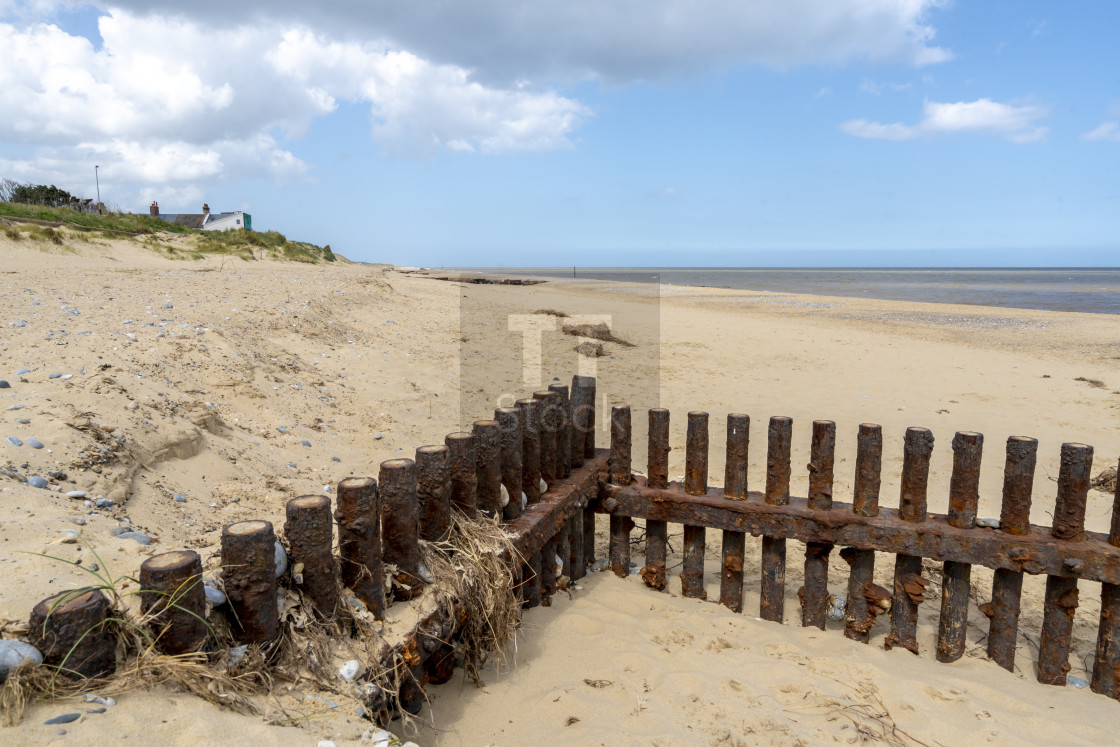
(1014, 123)
(1106, 131)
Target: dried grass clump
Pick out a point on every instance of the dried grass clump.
(1105, 481)
(552, 312)
(599, 331)
(590, 349)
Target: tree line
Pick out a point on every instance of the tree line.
(41, 194)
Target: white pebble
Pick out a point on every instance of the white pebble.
(349, 670)
(505, 497)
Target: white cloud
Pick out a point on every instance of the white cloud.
(1014, 123)
(1106, 131)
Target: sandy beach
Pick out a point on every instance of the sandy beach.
(237, 385)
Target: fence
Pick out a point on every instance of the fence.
(497, 470)
(1066, 553)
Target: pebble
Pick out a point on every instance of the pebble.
(34, 443)
(92, 698)
(55, 376)
(67, 377)
(324, 743)
(4, 384)
(1077, 682)
(383, 738)
(23, 371)
(140, 537)
(600, 565)
(180, 498)
(335, 459)
(281, 556)
(102, 709)
(237, 653)
(23, 421)
(378, 437)
(78, 520)
(305, 443)
(14, 652)
(349, 670)
(282, 429)
(15, 407)
(20, 323)
(118, 531)
(836, 606)
(37, 482)
(14, 441)
(63, 719)
(76, 494)
(105, 503)
(989, 523)
(216, 597)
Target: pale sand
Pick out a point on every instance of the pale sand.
(848, 360)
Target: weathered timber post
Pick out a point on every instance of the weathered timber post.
(1007, 585)
(909, 586)
(1061, 592)
(822, 459)
(964, 496)
(308, 530)
(865, 502)
(1106, 666)
(695, 483)
(550, 416)
(658, 469)
(509, 421)
(433, 491)
(620, 474)
(400, 525)
(734, 488)
(171, 593)
(249, 572)
(575, 546)
(358, 514)
(488, 453)
(564, 429)
(69, 630)
(464, 473)
(587, 400)
(772, 601)
(530, 420)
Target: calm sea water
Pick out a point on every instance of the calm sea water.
(1086, 289)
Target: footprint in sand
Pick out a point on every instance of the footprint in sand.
(676, 637)
(783, 651)
(719, 643)
(950, 696)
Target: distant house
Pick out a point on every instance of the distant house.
(206, 221)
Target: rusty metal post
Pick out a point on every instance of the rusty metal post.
(249, 572)
(564, 549)
(577, 401)
(307, 527)
(69, 630)
(433, 491)
(588, 537)
(171, 593)
(530, 419)
(964, 497)
(488, 458)
(1106, 666)
(400, 525)
(1007, 585)
(1061, 592)
(734, 488)
(619, 474)
(564, 431)
(822, 459)
(358, 514)
(531, 581)
(772, 601)
(462, 465)
(589, 420)
(858, 619)
(550, 416)
(548, 571)
(509, 421)
(653, 573)
(575, 530)
(695, 483)
(909, 586)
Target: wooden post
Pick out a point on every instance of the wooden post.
(695, 483)
(358, 514)
(530, 449)
(171, 593)
(575, 529)
(433, 492)
(653, 574)
(772, 602)
(1106, 666)
(576, 402)
(734, 488)
(588, 537)
(814, 602)
(858, 619)
(909, 586)
(310, 539)
(550, 417)
(70, 632)
(1061, 592)
(620, 474)
(587, 383)
(488, 455)
(964, 496)
(509, 421)
(249, 572)
(564, 430)
(462, 465)
(400, 525)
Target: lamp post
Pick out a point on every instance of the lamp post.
(98, 182)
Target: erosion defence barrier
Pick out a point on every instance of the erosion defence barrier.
(535, 468)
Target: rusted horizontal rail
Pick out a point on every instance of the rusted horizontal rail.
(543, 520)
(1036, 552)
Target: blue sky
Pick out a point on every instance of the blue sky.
(615, 132)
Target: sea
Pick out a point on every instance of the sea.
(1084, 289)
